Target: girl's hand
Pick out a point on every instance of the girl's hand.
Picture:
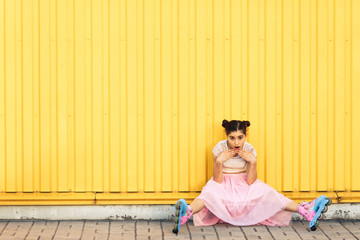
(225, 155)
(247, 156)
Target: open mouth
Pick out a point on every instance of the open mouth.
(237, 147)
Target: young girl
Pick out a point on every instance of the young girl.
(234, 195)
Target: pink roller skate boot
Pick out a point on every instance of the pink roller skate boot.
(183, 213)
(313, 211)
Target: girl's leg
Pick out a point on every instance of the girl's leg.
(313, 211)
(292, 207)
(183, 212)
(197, 205)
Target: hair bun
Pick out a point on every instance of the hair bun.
(247, 123)
(224, 123)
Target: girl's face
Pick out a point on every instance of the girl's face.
(236, 140)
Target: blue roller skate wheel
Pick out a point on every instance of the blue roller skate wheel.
(180, 211)
(321, 204)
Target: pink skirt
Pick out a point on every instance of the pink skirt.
(236, 202)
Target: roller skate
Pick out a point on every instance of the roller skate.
(183, 213)
(314, 210)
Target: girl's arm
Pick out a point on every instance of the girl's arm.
(218, 162)
(252, 173)
(251, 159)
(217, 172)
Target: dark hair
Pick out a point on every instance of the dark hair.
(235, 125)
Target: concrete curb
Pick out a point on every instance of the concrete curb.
(133, 212)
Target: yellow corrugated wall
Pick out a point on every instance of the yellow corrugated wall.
(121, 101)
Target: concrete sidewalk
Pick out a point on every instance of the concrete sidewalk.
(56, 230)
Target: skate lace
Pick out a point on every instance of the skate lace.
(308, 205)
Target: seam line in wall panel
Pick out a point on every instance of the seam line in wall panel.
(327, 94)
(344, 116)
(212, 71)
(276, 95)
(316, 102)
(22, 99)
(126, 97)
(85, 107)
(119, 100)
(32, 99)
(16, 103)
(309, 97)
(292, 99)
(50, 104)
(161, 156)
(102, 98)
(189, 96)
(299, 98)
(137, 98)
(317, 96)
(92, 97)
(351, 104)
(178, 95)
(282, 96)
(143, 82)
(248, 62)
(172, 98)
(265, 135)
(5, 122)
(74, 103)
(334, 85)
(154, 100)
(347, 187)
(39, 105)
(258, 69)
(345, 102)
(230, 56)
(195, 91)
(57, 99)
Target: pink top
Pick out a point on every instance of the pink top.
(234, 164)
